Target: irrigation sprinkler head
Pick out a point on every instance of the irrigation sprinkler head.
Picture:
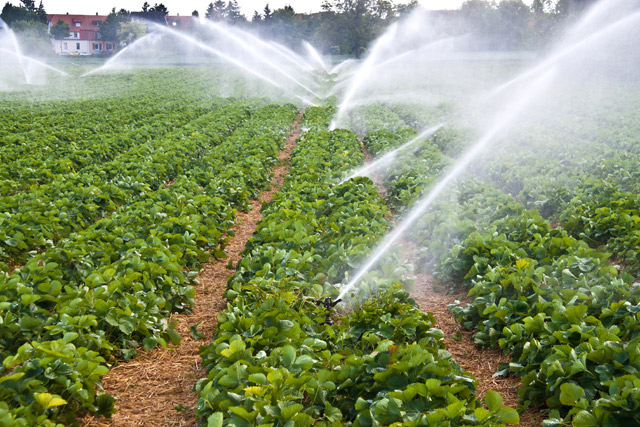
(328, 304)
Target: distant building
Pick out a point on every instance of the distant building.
(84, 36)
(162, 19)
(179, 21)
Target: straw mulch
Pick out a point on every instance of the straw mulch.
(156, 387)
(482, 363)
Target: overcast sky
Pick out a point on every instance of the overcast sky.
(185, 7)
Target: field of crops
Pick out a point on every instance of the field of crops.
(115, 193)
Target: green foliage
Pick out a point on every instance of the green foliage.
(273, 360)
(109, 286)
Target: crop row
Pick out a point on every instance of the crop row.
(110, 288)
(94, 132)
(275, 359)
(39, 218)
(567, 317)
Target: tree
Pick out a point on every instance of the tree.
(232, 12)
(513, 24)
(283, 26)
(195, 13)
(267, 13)
(159, 8)
(256, 17)
(358, 22)
(30, 5)
(111, 26)
(11, 14)
(217, 11)
(59, 31)
(33, 36)
(130, 31)
(405, 9)
(145, 7)
(42, 14)
(537, 7)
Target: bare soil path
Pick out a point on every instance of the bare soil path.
(151, 386)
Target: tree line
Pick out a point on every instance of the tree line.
(344, 27)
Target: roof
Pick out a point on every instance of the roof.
(180, 21)
(87, 22)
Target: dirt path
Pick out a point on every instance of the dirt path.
(151, 387)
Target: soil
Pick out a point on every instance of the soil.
(156, 387)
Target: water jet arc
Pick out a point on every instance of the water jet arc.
(510, 113)
(391, 154)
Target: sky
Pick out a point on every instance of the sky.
(185, 7)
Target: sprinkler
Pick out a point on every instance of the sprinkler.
(328, 304)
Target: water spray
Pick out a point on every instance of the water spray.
(509, 114)
(388, 157)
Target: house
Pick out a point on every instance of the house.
(179, 21)
(162, 19)
(84, 36)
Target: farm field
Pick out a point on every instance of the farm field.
(207, 244)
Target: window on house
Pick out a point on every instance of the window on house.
(95, 46)
(77, 46)
(76, 35)
(65, 46)
(78, 24)
(109, 46)
(175, 24)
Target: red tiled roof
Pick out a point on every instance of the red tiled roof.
(181, 21)
(87, 22)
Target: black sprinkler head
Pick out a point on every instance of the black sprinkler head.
(328, 304)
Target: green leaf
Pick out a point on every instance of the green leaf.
(174, 336)
(305, 362)
(493, 401)
(584, 419)
(126, 325)
(288, 412)
(331, 413)
(48, 400)
(258, 379)
(362, 404)
(150, 343)
(215, 420)
(570, 393)
(288, 355)
(509, 415)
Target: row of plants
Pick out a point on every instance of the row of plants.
(91, 132)
(566, 315)
(37, 219)
(548, 158)
(279, 359)
(105, 291)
